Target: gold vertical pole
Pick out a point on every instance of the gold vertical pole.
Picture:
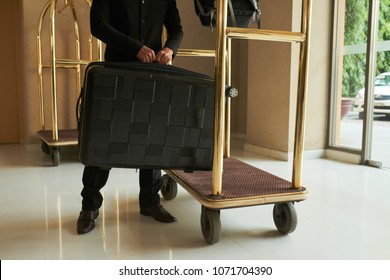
(53, 69)
(90, 47)
(90, 40)
(99, 44)
(219, 114)
(228, 100)
(302, 92)
(77, 46)
(40, 67)
(100, 50)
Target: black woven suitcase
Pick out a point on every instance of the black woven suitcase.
(137, 115)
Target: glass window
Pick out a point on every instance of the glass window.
(350, 71)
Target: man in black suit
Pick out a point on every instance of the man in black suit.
(131, 30)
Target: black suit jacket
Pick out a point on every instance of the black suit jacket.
(126, 25)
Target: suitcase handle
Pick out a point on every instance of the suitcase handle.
(153, 67)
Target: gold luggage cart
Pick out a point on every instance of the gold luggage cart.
(245, 185)
(55, 138)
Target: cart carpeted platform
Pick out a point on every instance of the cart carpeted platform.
(239, 180)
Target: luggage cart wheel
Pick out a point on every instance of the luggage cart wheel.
(168, 187)
(285, 217)
(55, 156)
(210, 223)
(45, 148)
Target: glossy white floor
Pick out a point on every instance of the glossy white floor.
(345, 217)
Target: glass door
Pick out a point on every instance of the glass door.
(359, 120)
(380, 151)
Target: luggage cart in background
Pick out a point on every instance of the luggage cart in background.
(53, 139)
(244, 185)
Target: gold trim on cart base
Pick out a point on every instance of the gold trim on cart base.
(66, 137)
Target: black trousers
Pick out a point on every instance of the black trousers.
(95, 178)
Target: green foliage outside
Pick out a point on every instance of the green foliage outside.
(356, 26)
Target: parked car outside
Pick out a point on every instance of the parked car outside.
(381, 96)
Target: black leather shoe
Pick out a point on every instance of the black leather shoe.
(159, 214)
(86, 221)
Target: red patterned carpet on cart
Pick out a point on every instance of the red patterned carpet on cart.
(239, 180)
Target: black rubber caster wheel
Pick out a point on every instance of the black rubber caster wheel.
(45, 148)
(210, 222)
(55, 156)
(285, 217)
(168, 187)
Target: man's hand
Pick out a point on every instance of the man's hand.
(146, 54)
(164, 56)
